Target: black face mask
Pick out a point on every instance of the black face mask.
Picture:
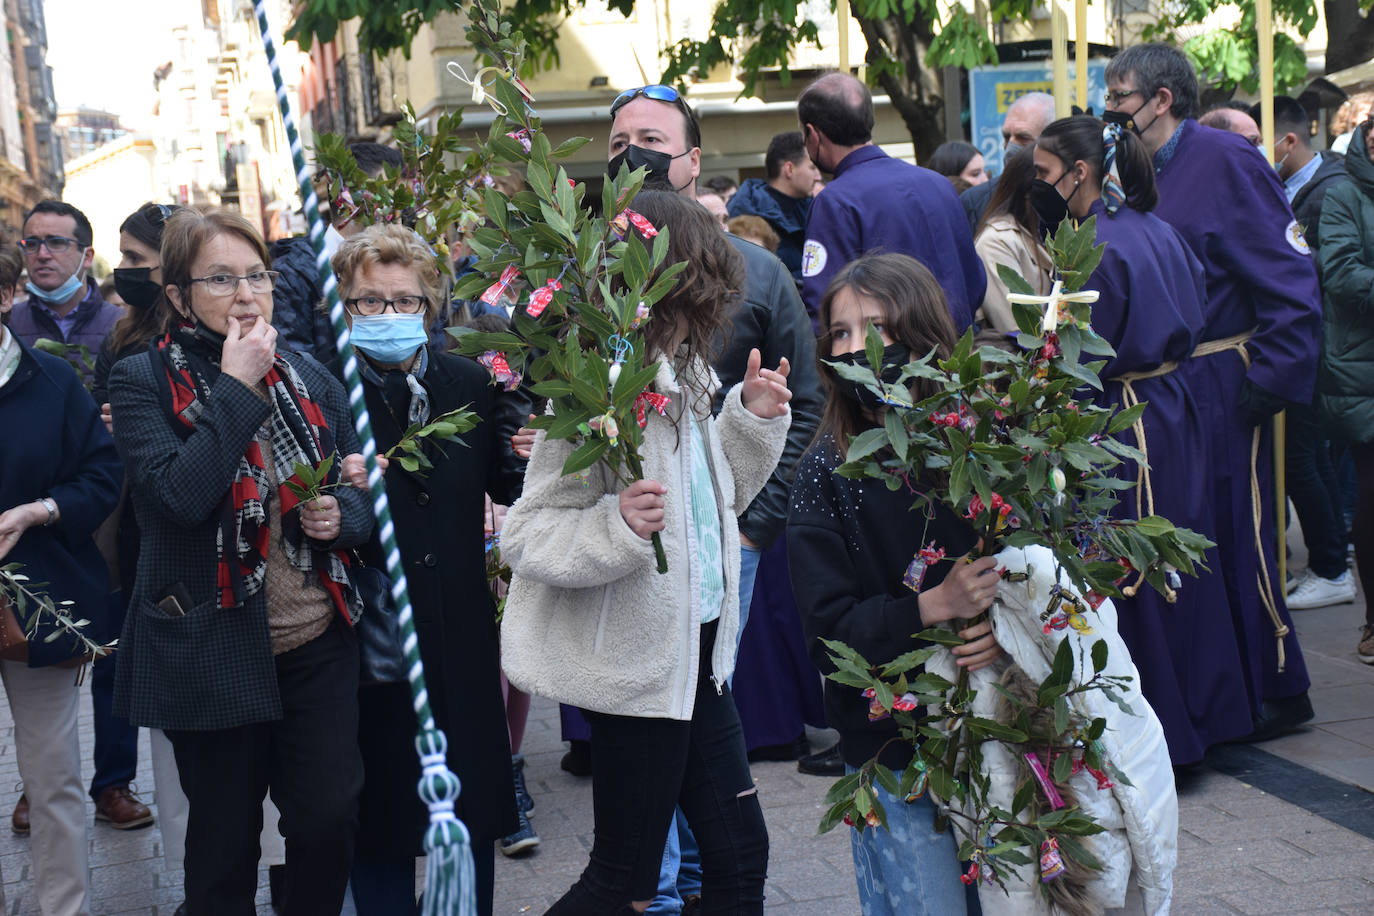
(135, 288)
(895, 358)
(1128, 121)
(1049, 204)
(213, 341)
(658, 163)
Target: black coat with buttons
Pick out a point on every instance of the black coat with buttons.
(438, 517)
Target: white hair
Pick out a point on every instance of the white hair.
(1042, 103)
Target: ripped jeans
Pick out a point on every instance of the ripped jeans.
(641, 770)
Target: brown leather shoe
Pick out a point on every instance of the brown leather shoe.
(122, 809)
(19, 820)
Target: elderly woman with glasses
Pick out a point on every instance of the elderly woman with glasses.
(390, 284)
(239, 640)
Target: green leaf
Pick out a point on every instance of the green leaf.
(887, 779)
(1022, 799)
(1061, 715)
(873, 348)
(940, 636)
(585, 455)
(1014, 282)
(1063, 768)
(833, 817)
(1125, 418)
(896, 433)
(992, 729)
(842, 787)
(866, 443)
(1075, 850)
(1099, 655)
(904, 663)
(1061, 671)
(941, 783)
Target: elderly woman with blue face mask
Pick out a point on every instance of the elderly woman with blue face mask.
(390, 284)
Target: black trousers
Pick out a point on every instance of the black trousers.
(1314, 488)
(641, 770)
(308, 758)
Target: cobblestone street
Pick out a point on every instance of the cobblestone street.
(1286, 827)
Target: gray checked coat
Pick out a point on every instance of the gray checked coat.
(212, 668)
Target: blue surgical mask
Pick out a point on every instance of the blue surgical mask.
(62, 293)
(389, 339)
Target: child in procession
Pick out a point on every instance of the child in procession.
(871, 567)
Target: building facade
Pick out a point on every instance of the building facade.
(214, 135)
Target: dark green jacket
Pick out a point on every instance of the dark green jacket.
(1346, 383)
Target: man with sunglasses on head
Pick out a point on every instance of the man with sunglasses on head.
(878, 202)
(1259, 354)
(652, 127)
(64, 302)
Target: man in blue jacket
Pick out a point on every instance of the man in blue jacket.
(1260, 349)
(876, 202)
(64, 302)
(784, 199)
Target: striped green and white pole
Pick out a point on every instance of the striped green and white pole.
(449, 873)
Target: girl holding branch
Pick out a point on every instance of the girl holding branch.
(589, 620)
(870, 569)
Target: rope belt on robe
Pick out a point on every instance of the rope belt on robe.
(1237, 343)
(1144, 489)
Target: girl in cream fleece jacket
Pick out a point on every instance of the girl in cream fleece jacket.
(590, 621)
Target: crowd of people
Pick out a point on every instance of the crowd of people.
(156, 487)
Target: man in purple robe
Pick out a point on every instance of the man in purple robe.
(877, 202)
(1259, 349)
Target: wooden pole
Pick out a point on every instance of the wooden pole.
(1080, 51)
(1264, 20)
(842, 10)
(1059, 42)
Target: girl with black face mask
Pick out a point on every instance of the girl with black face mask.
(852, 546)
(138, 280)
(1151, 303)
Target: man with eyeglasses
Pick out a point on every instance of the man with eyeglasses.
(64, 303)
(1261, 345)
(652, 127)
(878, 202)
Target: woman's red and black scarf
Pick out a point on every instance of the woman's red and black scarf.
(299, 434)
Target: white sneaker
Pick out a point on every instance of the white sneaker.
(1313, 591)
(1295, 581)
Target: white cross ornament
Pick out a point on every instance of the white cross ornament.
(1051, 302)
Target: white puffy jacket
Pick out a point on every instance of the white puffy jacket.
(588, 620)
(1140, 841)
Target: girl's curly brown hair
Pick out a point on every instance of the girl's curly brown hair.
(706, 291)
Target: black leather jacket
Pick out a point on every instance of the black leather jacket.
(772, 318)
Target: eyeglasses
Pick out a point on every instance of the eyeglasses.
(1120, 95)
(259, 281)
(374, 305)
(657, 92)
(56, 244)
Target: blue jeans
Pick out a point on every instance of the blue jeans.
(907, 869)
(680, 875)
(116, 741)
